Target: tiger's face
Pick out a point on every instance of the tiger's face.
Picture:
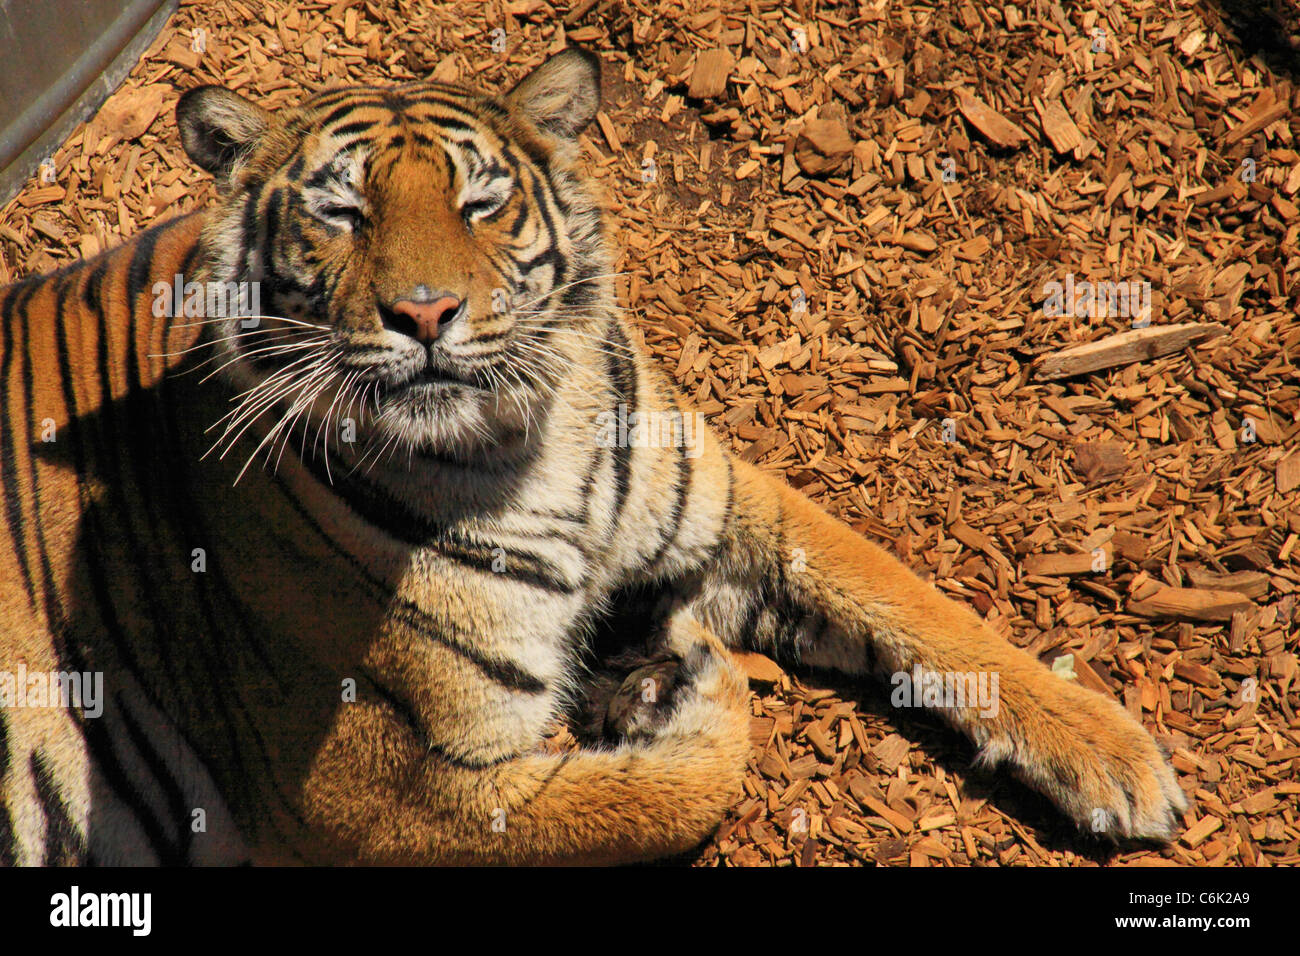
(422, 254)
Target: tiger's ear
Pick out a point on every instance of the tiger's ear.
(562, 95)
(218, 127)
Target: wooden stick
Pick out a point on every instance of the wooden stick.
(1124, 348)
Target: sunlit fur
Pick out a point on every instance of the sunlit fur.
(326, 650)
(451, 191)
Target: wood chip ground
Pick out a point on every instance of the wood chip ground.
(839, 224)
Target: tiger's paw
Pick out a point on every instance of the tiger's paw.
(711, 693)
(1098, 764)
(642, 701)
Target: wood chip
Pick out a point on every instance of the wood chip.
(759, 668)
(1192, 603)
(1287, 476)
(1124, 348)
(999, 130)
(823, 146)
(1057, 125)
(712, 70)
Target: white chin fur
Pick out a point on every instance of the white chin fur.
(443, 419)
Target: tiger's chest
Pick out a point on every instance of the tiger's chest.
(480, 589)
(471, 624)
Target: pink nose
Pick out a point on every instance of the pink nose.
(428, 317)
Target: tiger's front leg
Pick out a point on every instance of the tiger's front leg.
(378, 794)
(789, 579)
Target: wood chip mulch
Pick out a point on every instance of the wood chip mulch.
(838, 223)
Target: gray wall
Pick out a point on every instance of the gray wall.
(59, 60)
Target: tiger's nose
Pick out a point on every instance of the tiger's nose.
(424, 321)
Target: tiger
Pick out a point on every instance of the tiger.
(339, 557)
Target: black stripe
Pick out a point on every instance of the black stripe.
(271, 217)
(540, 195)
(407, 714)
(350, 129)
(8, 839)
(502, 671)
(622, 378)
(789, 613)
(670, 529)
(448, 96)
(395, 100)
(90, 295)
(580, 294)
(522, 212)
(331, 97)
(65, 845)
(728, 514)
(321, 176)
(749, 628)
(535, 152)
(455, 125)
(99, 743)
(163, 779)
(485, 337)
(248, 235)
(339, 112)
(424, 140)
(139, 272)
(550, 255)
(378, 508)
(15, 304)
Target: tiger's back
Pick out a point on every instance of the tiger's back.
(76, 368)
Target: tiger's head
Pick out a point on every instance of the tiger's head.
(425, 255)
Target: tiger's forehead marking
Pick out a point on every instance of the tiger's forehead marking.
(383, 121)
(437, 112)
(371, 132)
(428, 115)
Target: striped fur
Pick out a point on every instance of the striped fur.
(362, 662)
